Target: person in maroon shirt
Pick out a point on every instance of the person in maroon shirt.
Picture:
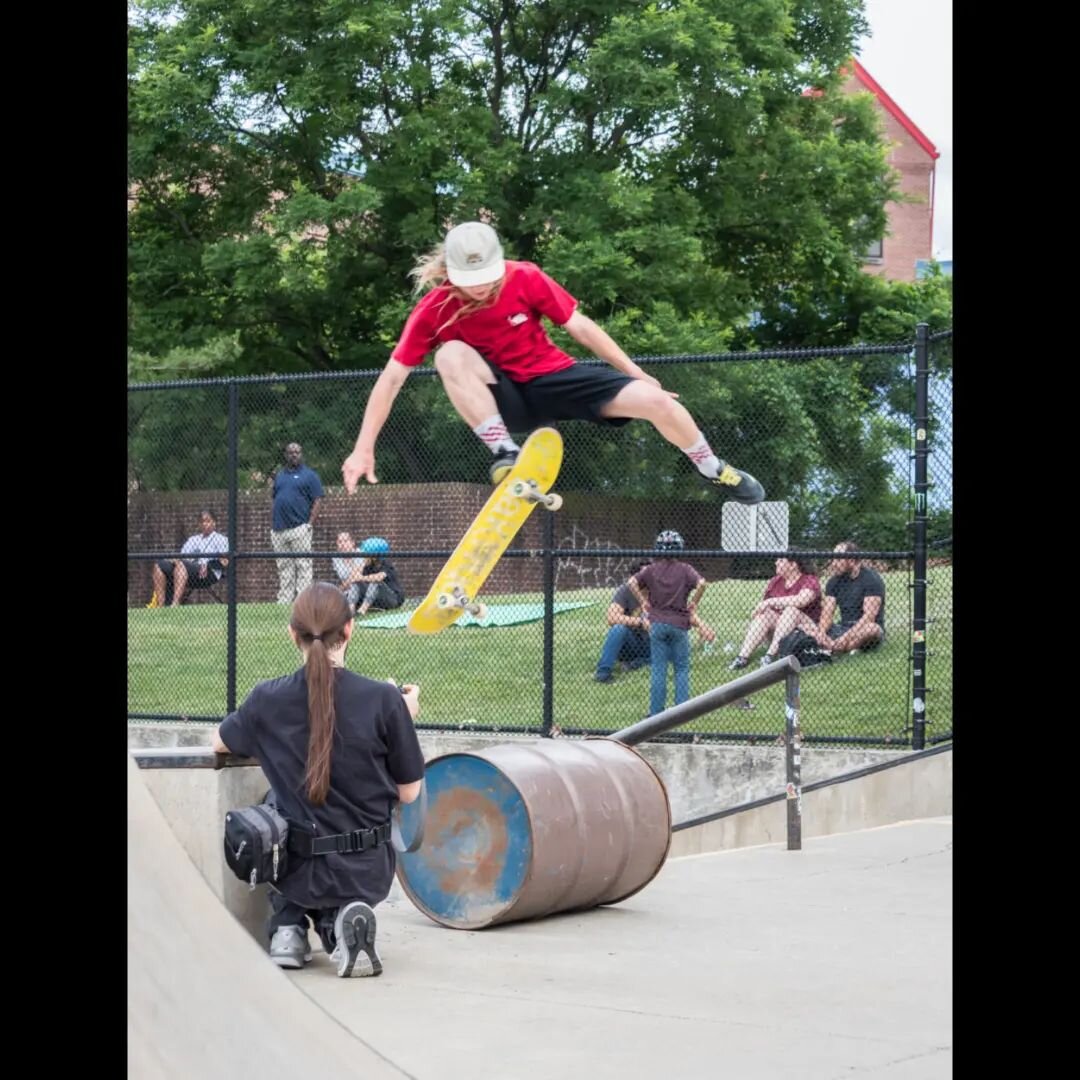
(482, 319)
(674, 589)
(795, 590)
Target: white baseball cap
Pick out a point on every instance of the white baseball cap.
(474, 255)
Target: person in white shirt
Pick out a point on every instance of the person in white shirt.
(350, 569)
(179, 575)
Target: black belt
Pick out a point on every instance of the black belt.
(339, 843)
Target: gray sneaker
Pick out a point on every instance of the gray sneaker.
(354, 936)
(289, 947)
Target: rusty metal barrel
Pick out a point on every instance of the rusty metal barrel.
(525, 830)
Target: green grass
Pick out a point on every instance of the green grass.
(493, 677)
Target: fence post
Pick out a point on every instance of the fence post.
(918, 643)
(549, 624)
(233, 438)
(793, 761)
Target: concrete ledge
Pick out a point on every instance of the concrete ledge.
(194, 802)
(912, 789)
(700, 779)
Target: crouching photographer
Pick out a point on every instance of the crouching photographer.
(340, 751)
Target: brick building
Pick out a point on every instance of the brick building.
(910, 231)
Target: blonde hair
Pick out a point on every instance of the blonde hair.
(429, 272)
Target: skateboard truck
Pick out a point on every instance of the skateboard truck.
(530, 491)
(457, 598)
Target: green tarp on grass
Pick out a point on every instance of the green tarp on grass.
(497, 615)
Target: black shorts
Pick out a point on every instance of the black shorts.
(575, 393)
(194, 581)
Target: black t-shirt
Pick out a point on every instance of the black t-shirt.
(391, 579)
(850, 592)
(375, 749)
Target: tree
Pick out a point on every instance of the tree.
(288, 161)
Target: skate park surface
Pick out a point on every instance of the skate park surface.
(831, 961)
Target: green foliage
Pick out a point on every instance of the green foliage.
(289, 161)
(176, 664)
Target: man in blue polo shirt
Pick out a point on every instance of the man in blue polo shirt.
(297, 491)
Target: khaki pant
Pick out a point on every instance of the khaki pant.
(294, 575)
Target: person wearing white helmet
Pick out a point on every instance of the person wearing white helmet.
(483, 320)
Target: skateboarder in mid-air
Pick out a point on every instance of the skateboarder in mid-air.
(482, 319)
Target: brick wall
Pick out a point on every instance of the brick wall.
(419, 517)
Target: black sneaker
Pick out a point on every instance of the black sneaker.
(604, 677)
(738, 663)
(767, 659)
(739, 485)
(504, 461)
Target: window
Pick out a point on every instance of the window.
(875, 251)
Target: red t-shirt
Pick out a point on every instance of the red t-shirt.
(777, 588)
(508, 334)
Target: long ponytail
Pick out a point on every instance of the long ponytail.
(318, 618)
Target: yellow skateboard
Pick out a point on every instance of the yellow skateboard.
(524, 488)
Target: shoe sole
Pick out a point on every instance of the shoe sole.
(291, 961)
(354, 929)
(500, 474)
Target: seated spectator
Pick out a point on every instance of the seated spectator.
(173, 577)
(349, 566)
(859, 592)
(377, 579)
(628, 633)
(794, 591)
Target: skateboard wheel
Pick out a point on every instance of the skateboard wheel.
(478, 611)
(554, 502)
(519, 488)
(445, 600)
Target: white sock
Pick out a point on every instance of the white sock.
(494, 436)
(708, 464)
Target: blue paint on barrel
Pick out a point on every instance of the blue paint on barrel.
(477, 845)
(528, 829)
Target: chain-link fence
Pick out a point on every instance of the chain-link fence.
(851, 445)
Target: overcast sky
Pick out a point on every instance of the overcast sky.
(909, 53)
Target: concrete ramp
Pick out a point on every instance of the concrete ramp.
(203, 999)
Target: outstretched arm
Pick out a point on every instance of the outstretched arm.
(361, 462)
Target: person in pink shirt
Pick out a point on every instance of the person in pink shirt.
(795, 590)
(482, 319)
